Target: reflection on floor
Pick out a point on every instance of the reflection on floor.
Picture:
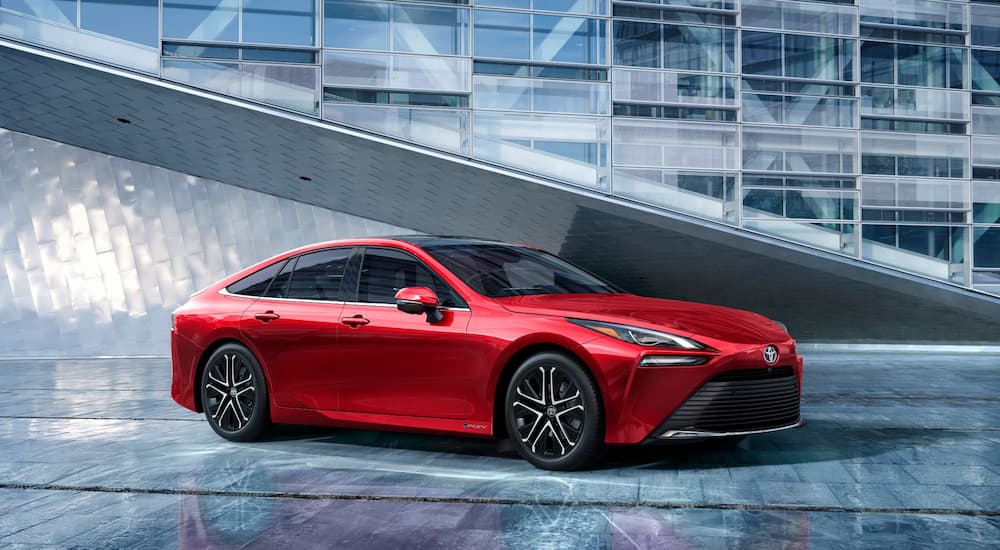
(899, 451)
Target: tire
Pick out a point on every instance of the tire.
(556, 426)
(234, 394)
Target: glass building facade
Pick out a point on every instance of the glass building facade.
(867, 128)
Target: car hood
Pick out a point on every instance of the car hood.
(683, 318)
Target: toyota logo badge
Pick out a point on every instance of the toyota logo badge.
(771, 355)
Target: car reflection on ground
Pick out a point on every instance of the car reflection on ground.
(240, 517)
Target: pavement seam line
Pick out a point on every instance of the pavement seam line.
(102, 418)
(18, 417)
(505, 501)
(18, 358)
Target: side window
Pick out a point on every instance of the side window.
(318, 275)
(256, 283)
(384, 272)
(279, 286)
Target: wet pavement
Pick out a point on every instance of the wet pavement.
(900, 451)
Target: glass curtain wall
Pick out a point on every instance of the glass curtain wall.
(675, 100)
(799, 109)
(123, 33)
(400, 69)
(553, 66)
(869, 128)
(915, 118)
(985, 88)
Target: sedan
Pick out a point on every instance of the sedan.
(479, 338)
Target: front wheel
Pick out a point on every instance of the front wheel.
(554, 414)
(234, 394)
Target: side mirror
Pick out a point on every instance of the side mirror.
(418, 299)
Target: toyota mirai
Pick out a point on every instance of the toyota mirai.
(480, 338)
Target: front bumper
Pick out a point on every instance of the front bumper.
(736, 401)
(652, 395)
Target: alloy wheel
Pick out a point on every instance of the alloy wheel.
(230, 392)
(548, 412)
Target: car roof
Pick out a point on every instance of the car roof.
(398, 241)
(442, 240)
(420, 241)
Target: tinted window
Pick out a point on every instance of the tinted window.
(279, 286)
(318, 275)
(256, 283)
(384, 272)
(498, 270)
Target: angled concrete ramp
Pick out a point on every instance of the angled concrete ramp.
(822, 297)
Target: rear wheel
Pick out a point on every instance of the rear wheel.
(553, 413)
(234, 394)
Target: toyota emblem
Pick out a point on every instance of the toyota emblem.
(771, 355)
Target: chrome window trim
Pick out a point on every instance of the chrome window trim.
(442, 308)
(225, 292)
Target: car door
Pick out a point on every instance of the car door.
(294, 327)
(399, 363)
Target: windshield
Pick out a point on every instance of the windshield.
(498, 270)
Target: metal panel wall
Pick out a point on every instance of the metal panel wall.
(824, 297)
(98, 250)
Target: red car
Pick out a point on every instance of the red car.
(475, 337)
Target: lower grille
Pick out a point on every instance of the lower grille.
(740, 401)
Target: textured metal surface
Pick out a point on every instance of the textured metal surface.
(822, 297)
(98, 250)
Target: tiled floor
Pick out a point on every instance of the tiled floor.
(899, 452)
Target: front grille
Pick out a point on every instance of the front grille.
(740, 401)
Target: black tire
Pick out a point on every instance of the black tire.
(555, 426)
(234, 394)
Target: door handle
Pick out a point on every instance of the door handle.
(356, 321)
(267, 316)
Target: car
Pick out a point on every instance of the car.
(475, 337)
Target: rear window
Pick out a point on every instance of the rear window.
(256, 283)
(318, 275)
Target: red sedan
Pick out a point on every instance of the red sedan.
(475, 337)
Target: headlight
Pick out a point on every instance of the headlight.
(639, 336)
(673, 360)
